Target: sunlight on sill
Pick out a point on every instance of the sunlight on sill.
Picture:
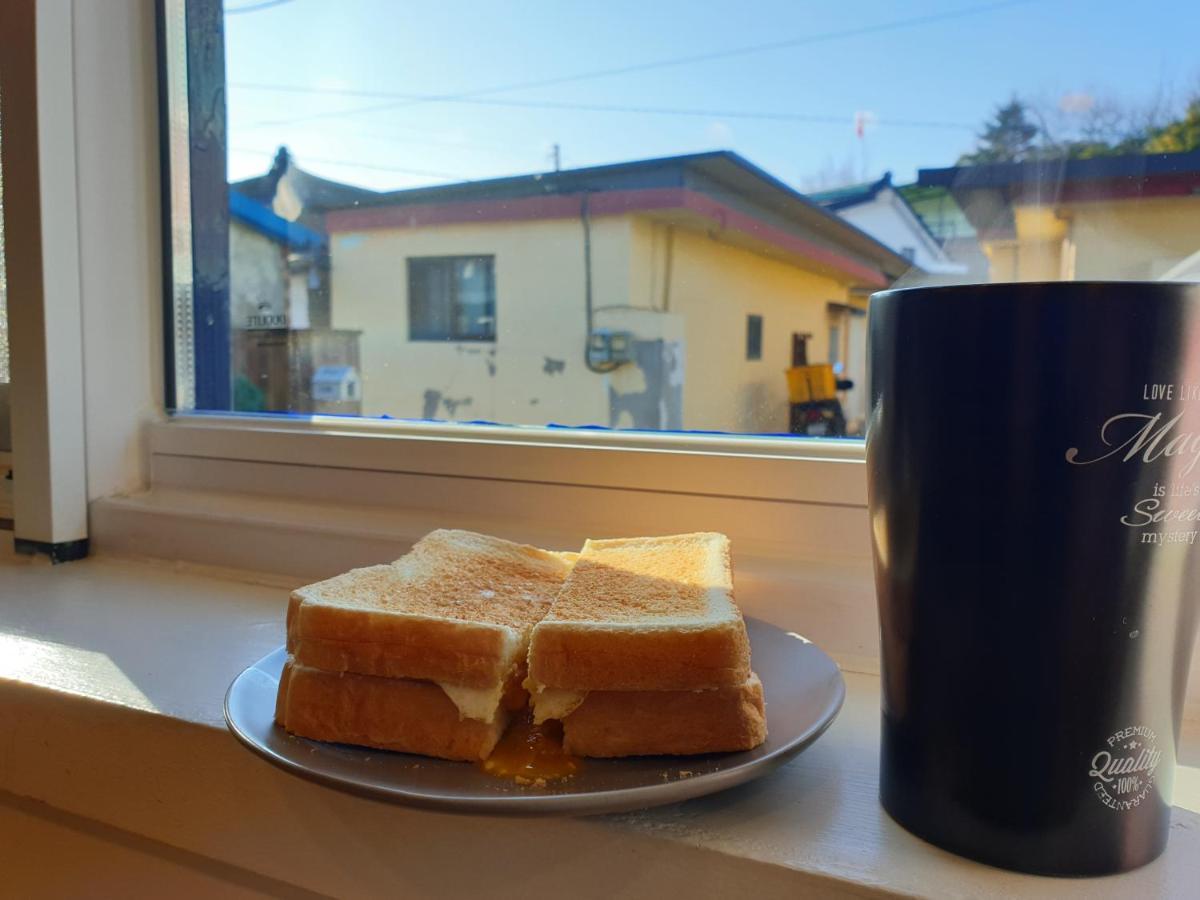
(69, 669)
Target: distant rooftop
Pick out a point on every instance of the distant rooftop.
(314, 192)
(259, 216)
(987, 194)
(719, 185)
(851, 194)
(937, 208)
(1129, 167)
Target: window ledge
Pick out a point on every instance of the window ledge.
(123, 725)
(772, 468)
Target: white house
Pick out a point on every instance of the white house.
(881, 211)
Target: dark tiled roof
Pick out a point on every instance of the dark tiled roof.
(721, 172)
(314, 193)
(1059, 171)
(851, 194)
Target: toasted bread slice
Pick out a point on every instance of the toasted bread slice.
(653, 614)
(457, 609)
(389, 713)
(646, 723)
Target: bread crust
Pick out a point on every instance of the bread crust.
(406, 647)
(600, 658)
(674, 723)
(388, 713)
(458, 608)
(653, 614)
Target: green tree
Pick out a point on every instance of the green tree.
(1178, 136)
(1009, 137)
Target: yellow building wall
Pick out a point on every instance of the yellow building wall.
(540, 322)
(1131, 239)
(714, 287)
(1139, 240)
(534, 372)
(1024, 260)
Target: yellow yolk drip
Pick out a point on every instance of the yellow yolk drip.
(531, 754)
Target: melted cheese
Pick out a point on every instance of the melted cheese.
(554, 703)
(475, 703)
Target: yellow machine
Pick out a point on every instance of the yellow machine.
(811, 384)
(815, 409)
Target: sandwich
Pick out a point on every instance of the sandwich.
(644, 651)
(425, 655)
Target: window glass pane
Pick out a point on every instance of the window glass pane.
(4, 376)
(754, 333)
(575, 220)
(475, 304)
(5, 394)
(430, 299)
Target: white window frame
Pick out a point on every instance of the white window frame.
(154, 481)
(49, 491)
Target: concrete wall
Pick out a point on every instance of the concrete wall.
(257, 279)
(1111, 239)
(1024, 260)
(690, 340)
(534, 372)
(715, 287)
(1133, 240)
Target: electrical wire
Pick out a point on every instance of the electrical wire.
(813, 118)
(254, 7)
(413, 137)
(427, 173)
(802, 40)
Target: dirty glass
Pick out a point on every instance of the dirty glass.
(663, 216)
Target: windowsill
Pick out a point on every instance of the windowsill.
(122, 724)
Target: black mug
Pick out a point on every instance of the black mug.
(1033, 456)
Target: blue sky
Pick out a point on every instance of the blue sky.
(924, 87)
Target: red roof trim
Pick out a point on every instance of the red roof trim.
(567, 206)
(734, 220)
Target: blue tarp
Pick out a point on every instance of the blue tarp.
(262, 219)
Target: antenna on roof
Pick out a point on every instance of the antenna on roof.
(556, 156)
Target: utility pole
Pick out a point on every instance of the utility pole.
(556, 154)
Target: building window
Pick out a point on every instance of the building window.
(754, 337)
(451, 298)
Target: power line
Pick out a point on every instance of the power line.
(803, 40)
(410, 136)
(427, 173)
(597, 107)
(254, 7)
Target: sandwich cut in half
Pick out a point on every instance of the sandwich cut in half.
(645, 652)
(425, 655)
